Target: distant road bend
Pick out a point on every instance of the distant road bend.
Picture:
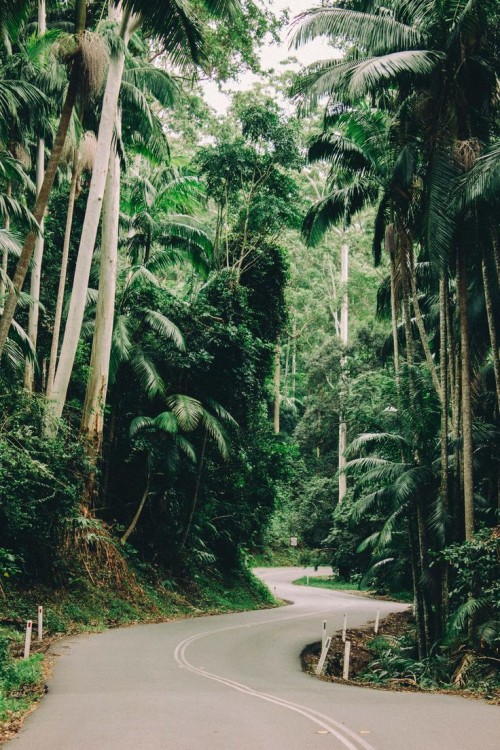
(234, 682)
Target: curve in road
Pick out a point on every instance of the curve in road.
(234, 682)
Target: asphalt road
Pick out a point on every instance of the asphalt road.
(234, 682)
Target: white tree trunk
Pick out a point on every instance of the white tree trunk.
(54, 347)
(89, 234)
(36, 273)
(344, 333)
(95, 398)
(5, 257)
(277, 384)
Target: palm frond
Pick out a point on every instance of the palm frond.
(138, 424)
(164, 326)
(173, 23)
(339, 206)
(186, 447)
(369, 439)
(217, 432)
(375, 33)
(145, 370)
(188, 410)
(167, 422)
(368, 75)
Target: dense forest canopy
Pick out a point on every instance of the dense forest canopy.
(218, 331)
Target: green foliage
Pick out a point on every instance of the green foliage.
(42, 481)
(475, 595)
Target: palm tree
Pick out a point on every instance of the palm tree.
(397, 470)
(76, 68)
(435, 65)
(185, 414)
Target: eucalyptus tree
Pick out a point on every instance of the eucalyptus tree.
(179, 33)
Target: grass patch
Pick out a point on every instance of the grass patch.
(328, 582)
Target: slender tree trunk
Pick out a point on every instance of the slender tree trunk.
(196, 493)
(294, 357)
(417, 584)
(36, 271)
(5, 256)
(54, 346)
(490, 315)
(36, 277)
(421, 325)
(443, 355)
(287, 366)
(403, 254)
(344, 332)
(423, 553)
(89, 232)
(92, 423)
(133, 523)
(44, 194)
(390, 247)
(496, 252)
(277, 383)
(467, 449)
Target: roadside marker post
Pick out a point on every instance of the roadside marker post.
(347, 656)
(27, 639)
(377, 620)
(40, 623)
(322, 658)
(307, 580)
(344, 627)
(323, 635)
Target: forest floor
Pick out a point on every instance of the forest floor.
(376, 661)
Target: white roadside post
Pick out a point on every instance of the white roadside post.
(40, 623)
(293, 541)
(347, 656)
(322, 658)
(307, 580)
(377, 620)
(323, 635)
(344, 627)
(27, 639)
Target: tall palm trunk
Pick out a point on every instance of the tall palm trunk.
(344, 331)
(467, 449)
(490, 315)
(45, 190)
(277, 383)
(36, 272)
(54, 346)
(92, 423)
(391, 250)
(420, 320)
(196, 494)
(443, 355)
(5, 255)
(90, 226)
(416, 573)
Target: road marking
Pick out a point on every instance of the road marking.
(327, 723)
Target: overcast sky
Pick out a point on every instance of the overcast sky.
(272, 55)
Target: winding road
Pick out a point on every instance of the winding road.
(234, 682)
